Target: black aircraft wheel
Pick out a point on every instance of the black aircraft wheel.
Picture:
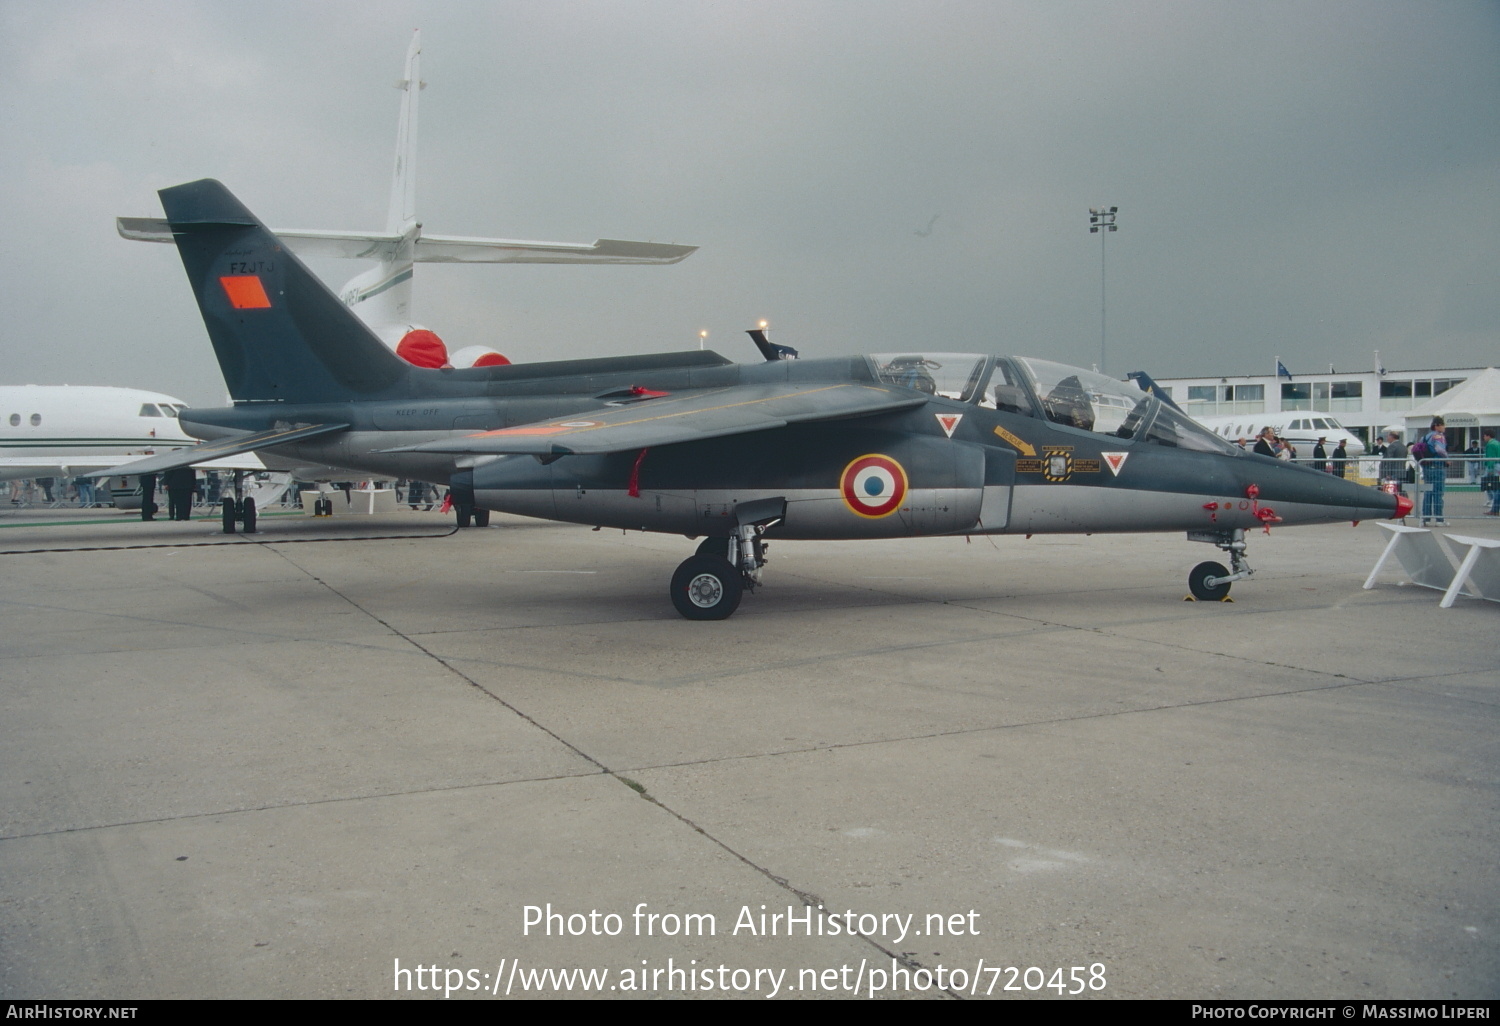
(247, 515)
(706, 588)
(481, 518)
(229, 516)
(464, 512)
(715, 547)
(1198, 582)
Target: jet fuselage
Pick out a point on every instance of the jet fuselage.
(1001, 452)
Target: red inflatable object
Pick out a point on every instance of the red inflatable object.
(422, 348)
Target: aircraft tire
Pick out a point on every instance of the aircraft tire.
(706, 588)
(481, 518)
(714, 547)
(1197, 582)
(229, 516)
(247, 515)
(464, 512)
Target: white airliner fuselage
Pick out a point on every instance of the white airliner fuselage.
(66, 430)
(1300, 427)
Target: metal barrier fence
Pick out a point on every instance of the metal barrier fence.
(1458, 488)
(1462, 487)
(103, 494)
(1443, 490)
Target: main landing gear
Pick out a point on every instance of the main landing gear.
(466, 514)
(1209, 582)
(710, 584)
(461, 496)
(240, 509)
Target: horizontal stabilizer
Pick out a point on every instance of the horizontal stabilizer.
(454, 249)
(682, 418)
(220, 448)
(144, 229)
(439, 249)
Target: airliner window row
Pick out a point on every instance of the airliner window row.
(147, 410)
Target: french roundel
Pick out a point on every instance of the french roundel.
(873, 486)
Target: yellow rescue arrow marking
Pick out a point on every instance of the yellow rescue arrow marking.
(1024, 446)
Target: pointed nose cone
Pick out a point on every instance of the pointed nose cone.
(1301, 495)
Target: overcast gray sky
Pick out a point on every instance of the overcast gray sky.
(1314, 180)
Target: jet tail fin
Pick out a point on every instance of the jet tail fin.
(278, 332)
(1143, 379)
(403, 208)
(770, 350)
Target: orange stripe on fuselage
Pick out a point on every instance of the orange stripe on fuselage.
(543, 429)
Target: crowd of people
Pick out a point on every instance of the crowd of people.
(185, 488)
(1426, 461)
(1269, 443)
(51, 491)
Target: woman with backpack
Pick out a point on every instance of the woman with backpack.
(1431, 454)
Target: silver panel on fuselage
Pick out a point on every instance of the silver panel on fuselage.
(822, 514)
(810, 513)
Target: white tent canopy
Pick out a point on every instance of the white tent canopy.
(1474, 404)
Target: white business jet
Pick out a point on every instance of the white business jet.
(382, 295)
(1301, 428)
(68, 430)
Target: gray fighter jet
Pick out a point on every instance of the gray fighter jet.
(898, 444)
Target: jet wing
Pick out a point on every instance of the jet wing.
(20, 467)
(13, 468)
(207, 452)
(682, 418)
(454, 249)
(305, 242)
(440, 249)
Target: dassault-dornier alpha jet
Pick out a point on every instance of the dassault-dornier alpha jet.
(898, 444)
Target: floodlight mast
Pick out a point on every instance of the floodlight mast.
(1102, 221)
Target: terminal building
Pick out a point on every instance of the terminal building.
(1364, 402)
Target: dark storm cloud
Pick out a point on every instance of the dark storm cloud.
(1310, 180)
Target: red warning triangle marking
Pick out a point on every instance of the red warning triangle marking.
(948, 422)
(1114, 460)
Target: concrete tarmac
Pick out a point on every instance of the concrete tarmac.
(361, 757)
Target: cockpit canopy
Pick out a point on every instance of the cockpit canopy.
(1068, 396)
